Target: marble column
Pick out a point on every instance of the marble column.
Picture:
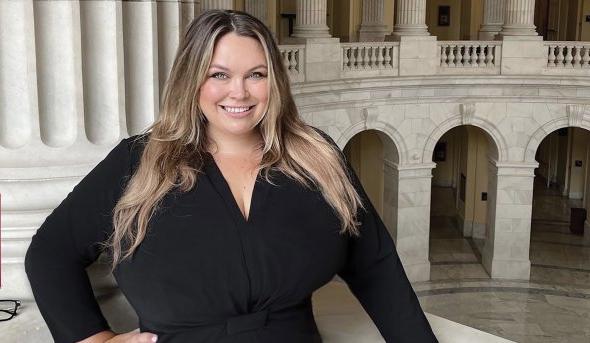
(493, 19)
(257, 8)
(519, 16)
(410, 18)
(372, 26)
(412, 229)
(510, 196)
(310, 19)
(59, 70)
(19, 117)
(217, 5)
(142, 97)
(102, 66)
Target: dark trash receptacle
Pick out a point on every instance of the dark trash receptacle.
(577, 218)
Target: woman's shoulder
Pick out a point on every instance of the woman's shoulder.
(326, 136)
(135, 145)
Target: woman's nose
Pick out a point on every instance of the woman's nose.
(238, 89)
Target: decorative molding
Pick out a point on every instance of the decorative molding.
(575, 114)
(467, 113)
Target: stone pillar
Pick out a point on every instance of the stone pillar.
(519, 16)
(372, 26)
(102, 66)
(523, 51)
(217, 5)
(59, 71)
(311, 19)
(18, 100)
(510, 197)
(493, 19)
(418, 50)
(410, 18)
(257, 8)
(189, 8)
(142, 96)
(412, 229)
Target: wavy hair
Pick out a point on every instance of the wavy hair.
(176, 143)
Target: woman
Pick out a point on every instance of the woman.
(224, 217)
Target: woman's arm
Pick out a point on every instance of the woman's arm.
(67, 242)
(376, 276)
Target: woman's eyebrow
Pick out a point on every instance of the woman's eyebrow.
(217, 66)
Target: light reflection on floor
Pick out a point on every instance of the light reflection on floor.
(554, 306)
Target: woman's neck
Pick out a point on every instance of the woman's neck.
(243, 145)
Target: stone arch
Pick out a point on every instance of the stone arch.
(394, 144)
(544, 130)
(500, 146)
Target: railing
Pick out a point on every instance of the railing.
(293, 58)
(370, 58)
(470, 56)
(568, 54)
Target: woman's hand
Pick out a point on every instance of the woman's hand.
(129, 337)
(134, 337)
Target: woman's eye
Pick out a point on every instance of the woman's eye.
(257, 75)
(220, 76)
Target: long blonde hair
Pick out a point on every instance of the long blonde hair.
(176, 142)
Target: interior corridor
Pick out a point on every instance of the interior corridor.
(554, 306)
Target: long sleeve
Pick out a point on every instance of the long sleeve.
(67, 242)
(376, 277)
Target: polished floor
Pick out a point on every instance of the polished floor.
(554, 306)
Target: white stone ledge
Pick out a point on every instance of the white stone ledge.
(339, 316)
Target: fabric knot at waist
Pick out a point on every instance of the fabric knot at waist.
(293, 316)
(246, 322)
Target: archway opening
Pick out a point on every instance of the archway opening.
(560, 235)
(374, 158)
(459, 208)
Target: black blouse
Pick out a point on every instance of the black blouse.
(205, 274)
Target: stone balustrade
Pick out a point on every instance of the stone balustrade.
(570, 58)
(293, 58)
(470, 56)
(568, 54)
(370, 59)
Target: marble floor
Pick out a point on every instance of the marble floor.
(554, 306)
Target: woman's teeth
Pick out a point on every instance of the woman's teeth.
(236, 109)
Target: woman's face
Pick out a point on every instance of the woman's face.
(235, 92)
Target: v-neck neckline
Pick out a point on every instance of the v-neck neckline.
(227, 195)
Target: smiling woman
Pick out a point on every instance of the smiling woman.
(234, 98)
(224, 217)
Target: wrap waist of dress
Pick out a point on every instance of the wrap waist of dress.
(296, 317)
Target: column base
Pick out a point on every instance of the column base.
(398, 32)
(507, 269)
(489, 32)
(319, 31)
(372, 33)
(418, 272)
(508, 31)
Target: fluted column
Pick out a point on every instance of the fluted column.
(141, 64)
(59, 71)
(257, 8)
(18, 81)
(102, 65)
(410, 18)
(493, 19)
(519, 17)
(217, 5)
(311, 19)
(372, 26)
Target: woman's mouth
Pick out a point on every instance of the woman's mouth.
(237, 111)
